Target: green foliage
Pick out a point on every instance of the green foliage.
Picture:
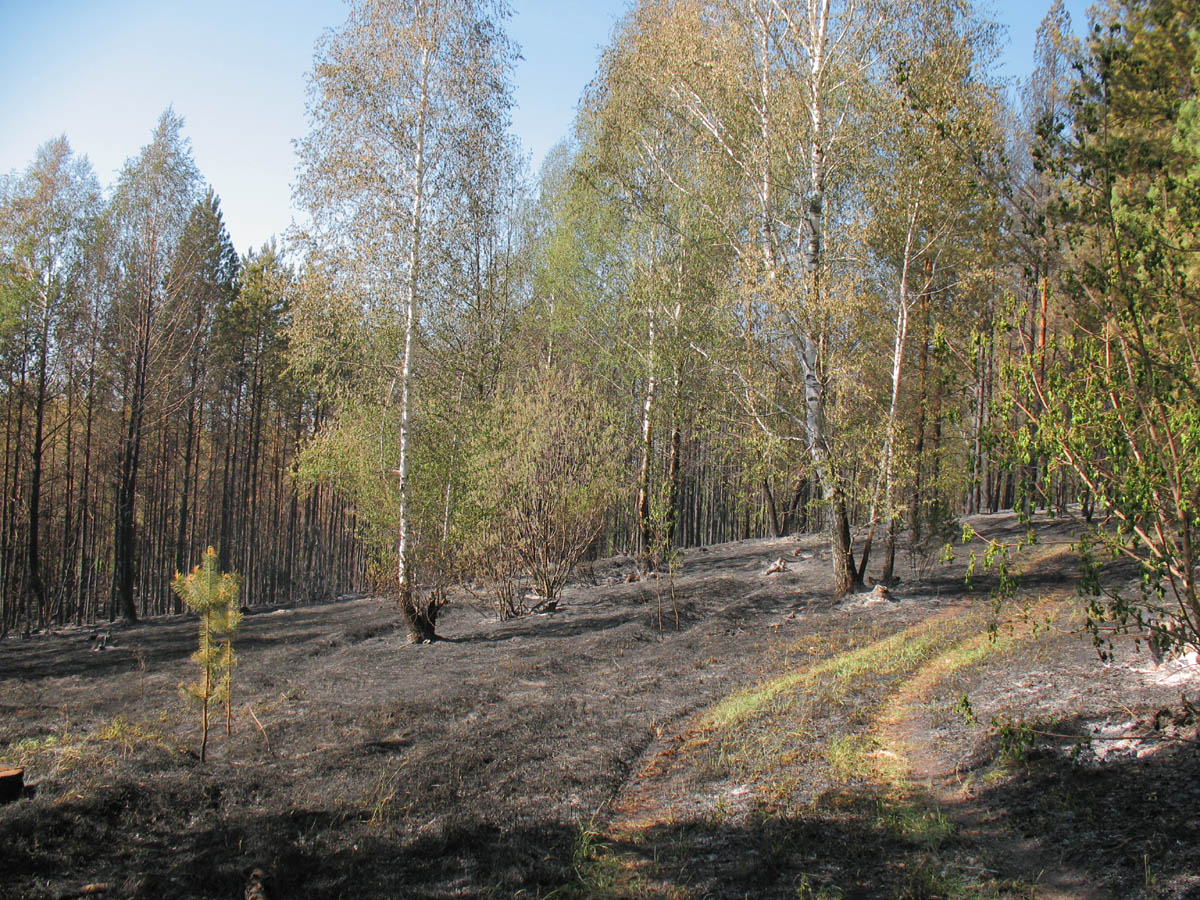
(352, 455)
(13, 291)
(340, 345)
(966, 711)
(546, 469)
(1114, 402)
(250, 337)
(214, 597)
(1016, 738)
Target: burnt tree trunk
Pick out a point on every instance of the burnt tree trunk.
(420, 615)
(124, 530)
(35, 590)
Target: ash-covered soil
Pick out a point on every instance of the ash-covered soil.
(483, 765)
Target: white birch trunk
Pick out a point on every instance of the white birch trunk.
(889, 441)
(885, 483)
(643, 504)
(404, 574)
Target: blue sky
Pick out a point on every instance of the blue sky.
(101, 72)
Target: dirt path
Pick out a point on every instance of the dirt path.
(909, 738)
(880, 787)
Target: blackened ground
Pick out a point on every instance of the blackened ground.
(363, 766)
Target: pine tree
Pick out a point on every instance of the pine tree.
(214, 597)
(147, 320)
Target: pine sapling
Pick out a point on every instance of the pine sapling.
(213, 596)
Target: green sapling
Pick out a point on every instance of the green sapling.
(213, 596)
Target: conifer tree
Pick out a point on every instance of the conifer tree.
(147, 319)
(205, 271)
(214, 597)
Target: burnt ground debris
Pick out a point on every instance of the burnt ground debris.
(519, 757)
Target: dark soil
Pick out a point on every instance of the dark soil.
(485, 764)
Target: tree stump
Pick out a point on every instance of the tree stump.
(12, 783)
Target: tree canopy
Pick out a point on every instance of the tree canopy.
(799, 266)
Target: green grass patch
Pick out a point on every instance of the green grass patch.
(915, 821)
(833, 677)
(602, 871)
(764, 732)
(70, 749)
(850, 755)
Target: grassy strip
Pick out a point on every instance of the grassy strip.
(765, 736)
(831, 678)
(854, 789)
(769, 735)
(880, 755)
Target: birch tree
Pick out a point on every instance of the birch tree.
(401, 99)
(928, 211)
(776, 92)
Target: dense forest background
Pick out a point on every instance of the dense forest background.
(801, 266)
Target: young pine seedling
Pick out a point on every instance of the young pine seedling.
(213, 596)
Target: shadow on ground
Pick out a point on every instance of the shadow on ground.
(190, 840)
(1125, 829)
(1131, 823)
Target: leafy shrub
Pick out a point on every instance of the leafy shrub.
(545, 476)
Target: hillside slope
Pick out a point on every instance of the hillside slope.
(775, 743)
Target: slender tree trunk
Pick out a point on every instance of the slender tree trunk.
(228, 476)
(885, 483)
(673, 484)
(980, 468)
(14, 433)
(645, 525)
(124, 531)
(889, 554)
(69, 555)
(181, 541)
(250, 509)
(420, 621)
(893, 423)
(773, 523)
(915, 520)
(844, 571)
(85, 600)
(35, 589)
